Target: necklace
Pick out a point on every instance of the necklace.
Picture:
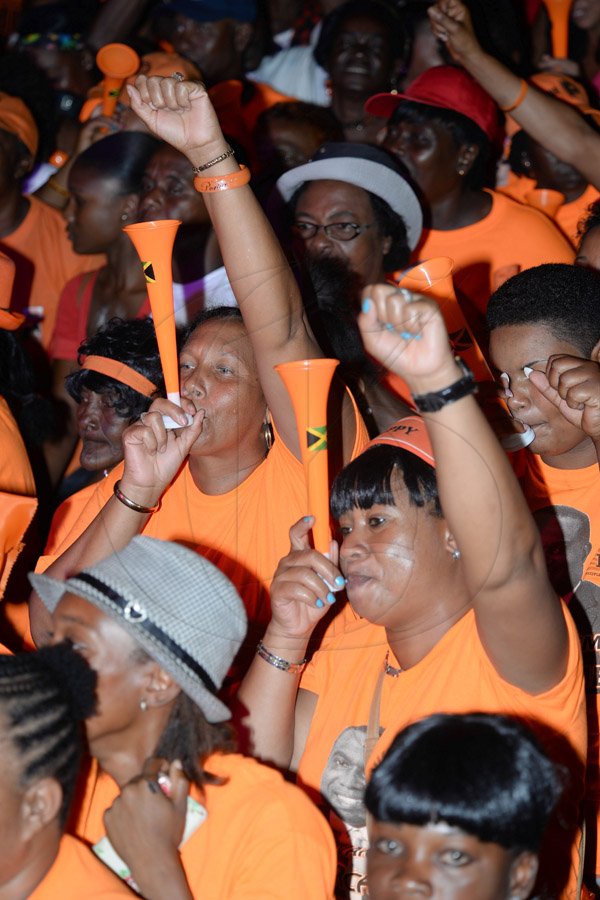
(390, 670)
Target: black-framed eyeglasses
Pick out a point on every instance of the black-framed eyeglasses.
(337, 231)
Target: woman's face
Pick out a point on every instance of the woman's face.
(122, 681)
(512, 347)
(168, 190)
(94, 211)
(430, 154)
(327, 202)
(100, 430)
(393, 558)
(441, 862)
(218, 374)
(361, 59)
(586, 13)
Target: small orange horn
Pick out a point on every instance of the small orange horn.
(433, 278)
(308, 382)
(116, 62)
(154, 244)
(558, 13)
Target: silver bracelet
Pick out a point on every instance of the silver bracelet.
(213, 162)
(278, 661)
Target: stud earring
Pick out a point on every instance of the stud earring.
(456, 554)
(124, 217)
(461, 172)
(143, 704)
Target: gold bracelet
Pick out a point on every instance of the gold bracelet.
(213, 162)
(64, 192)
(131, 504)
(522, 94)
(222, 182)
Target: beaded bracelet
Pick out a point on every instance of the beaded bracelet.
(131, 504)
(522, 94)
(222, 182)
(278, 661)
(213, 162)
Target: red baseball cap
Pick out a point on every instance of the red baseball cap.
(445, 87)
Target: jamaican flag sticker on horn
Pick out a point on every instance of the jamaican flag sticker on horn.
(316, 438)
(149, 273)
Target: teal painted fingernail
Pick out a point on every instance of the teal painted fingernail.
(406, 335)
(366, 305)
(340, 581)
(306, 519)
(389, 326)
(319, 604)
(330, 598)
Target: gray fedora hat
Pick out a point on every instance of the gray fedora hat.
(364, 166)
(174, 603)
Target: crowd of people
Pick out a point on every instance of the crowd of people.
(201, 696)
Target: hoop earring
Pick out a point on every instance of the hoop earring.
(266, 430)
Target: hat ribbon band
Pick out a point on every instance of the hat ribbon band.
(141, 621)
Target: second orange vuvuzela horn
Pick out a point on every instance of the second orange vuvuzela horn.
(308, 382)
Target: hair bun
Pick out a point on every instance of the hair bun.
(74, 677)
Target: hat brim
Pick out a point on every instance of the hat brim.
(50, 591)
(372, 176)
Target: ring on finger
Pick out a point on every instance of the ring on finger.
(178, 76)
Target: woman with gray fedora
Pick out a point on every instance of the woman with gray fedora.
(168, 801)
(355, 219)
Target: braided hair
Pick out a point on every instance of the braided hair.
(44, 698)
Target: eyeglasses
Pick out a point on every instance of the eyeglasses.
(337, 231)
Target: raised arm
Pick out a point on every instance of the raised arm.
(553, 123)
(519, 618)
(264, 286)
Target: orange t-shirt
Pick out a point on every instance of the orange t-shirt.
(44, 261)
(18, 501)
(77, 874)
(456, 676)
(566, 506)
(511, 238)
(244, 532)
(16, 476)
(262, 838)
(569, 215)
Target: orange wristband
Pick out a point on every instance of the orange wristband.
(222, 182)
(520, 98)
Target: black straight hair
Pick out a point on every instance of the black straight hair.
(485, 774)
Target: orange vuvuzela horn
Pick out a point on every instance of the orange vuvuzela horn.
(154, 244)
(433, 278)
(117, 62)
(558, 13)
(308, 382)
(545, 199)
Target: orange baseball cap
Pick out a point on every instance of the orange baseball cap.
(408, 433)
(16, 118)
